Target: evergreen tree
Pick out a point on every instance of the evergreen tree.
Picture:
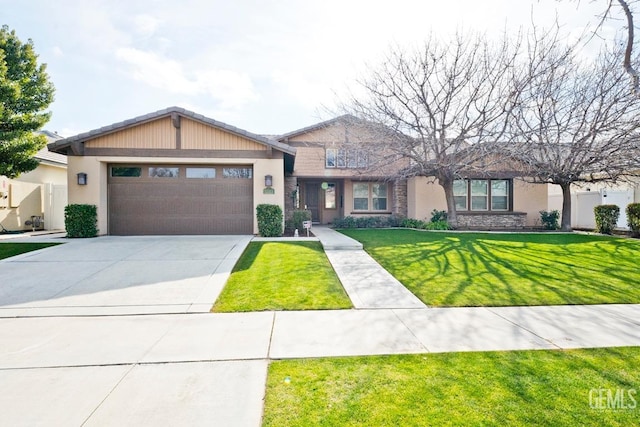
(25, 94)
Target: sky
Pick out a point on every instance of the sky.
(268, 67)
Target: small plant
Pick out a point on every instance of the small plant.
(346, 222)
(606, 218)
(81, 221)
(297, 218)
(438, 216)
(633, 218)
(550, 219)
(269, 220)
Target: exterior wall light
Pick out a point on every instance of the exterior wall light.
(268, 180)
(82, 178)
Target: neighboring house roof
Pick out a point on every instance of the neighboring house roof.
(62, 145)
(48, 157)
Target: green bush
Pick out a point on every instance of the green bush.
(368, 222)
(412, 223)
(81, 220)
(297, 217)
(437, 225)
(269, 220)
(606, 218)
(438, 216)
(550, 219)
(633, 218)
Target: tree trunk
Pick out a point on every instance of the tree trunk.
(452, 215)
(565, 224)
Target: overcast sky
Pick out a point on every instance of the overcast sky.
(268, 67)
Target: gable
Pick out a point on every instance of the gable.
(199, 136)
(157, 134)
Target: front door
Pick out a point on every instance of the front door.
(311, 199)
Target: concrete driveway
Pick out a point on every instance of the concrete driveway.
(119, 275)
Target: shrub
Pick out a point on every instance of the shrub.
(606, 218)
(438, 216)
(346, 222)
(412, 223)
(437, 225)
(550, 219)
(297, 217)
(633, 218)
(81, 220)
(269, 220)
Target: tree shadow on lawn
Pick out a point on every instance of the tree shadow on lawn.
(498, 269)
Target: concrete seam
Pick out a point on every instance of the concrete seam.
(523, 328)
(394, 311)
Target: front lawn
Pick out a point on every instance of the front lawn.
(503, 269)
(282, 276)
(518, 388)
(9, 249)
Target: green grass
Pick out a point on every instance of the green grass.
(282, 276)
(12, 249)
(519, 388)
(486, 269)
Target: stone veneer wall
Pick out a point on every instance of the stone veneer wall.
(493, 220)
(399, 198)
(290, 183)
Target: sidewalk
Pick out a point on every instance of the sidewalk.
(211, 369)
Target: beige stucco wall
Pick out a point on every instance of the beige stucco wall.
(424, 195)
(30, 194)
(95, 192)
(530, 198)
(46, 174)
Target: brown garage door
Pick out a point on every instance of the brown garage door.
(178, 199)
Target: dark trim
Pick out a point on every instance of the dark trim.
(77, 148)
(489, 213)
(204, 154)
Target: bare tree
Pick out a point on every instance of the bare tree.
(436, 107)
(574, 122)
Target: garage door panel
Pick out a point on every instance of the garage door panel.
(144, 205)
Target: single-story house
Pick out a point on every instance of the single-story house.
(39, 195)
(177, 172)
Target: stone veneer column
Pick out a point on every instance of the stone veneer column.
(290, 185)
(399, 203)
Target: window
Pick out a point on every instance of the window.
(379, 197)
(330, 158)
(245, 173)
(346, 158)
(499, 195)
(164, 172)
(360, 196)
(460, 194)
(330, 196)
(369, 196)
(481, 194)
(126, 171)
(203, 173)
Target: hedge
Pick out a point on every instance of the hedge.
(269, 220)
(606, 218)
(81, 220)
(633, 218)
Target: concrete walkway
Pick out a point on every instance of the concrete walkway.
(110, 368)
(366, 282)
